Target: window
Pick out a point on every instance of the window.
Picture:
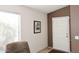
(10, 28)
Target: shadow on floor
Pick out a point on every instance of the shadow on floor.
(57, 51)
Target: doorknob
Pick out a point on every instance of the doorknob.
(66, 35)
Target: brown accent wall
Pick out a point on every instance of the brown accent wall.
(61, 12)
(74, 11)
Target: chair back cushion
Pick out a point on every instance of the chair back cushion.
(17, 47)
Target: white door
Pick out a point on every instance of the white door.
(60, 30)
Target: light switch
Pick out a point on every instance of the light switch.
(77, 37)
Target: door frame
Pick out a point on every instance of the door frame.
(69, 31)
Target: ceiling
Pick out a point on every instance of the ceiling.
(46, 8)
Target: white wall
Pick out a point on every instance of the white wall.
(36, 41)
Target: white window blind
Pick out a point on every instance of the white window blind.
(10, 28)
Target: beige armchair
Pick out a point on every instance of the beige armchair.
(18, 47)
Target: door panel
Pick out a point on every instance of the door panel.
(60, 30)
